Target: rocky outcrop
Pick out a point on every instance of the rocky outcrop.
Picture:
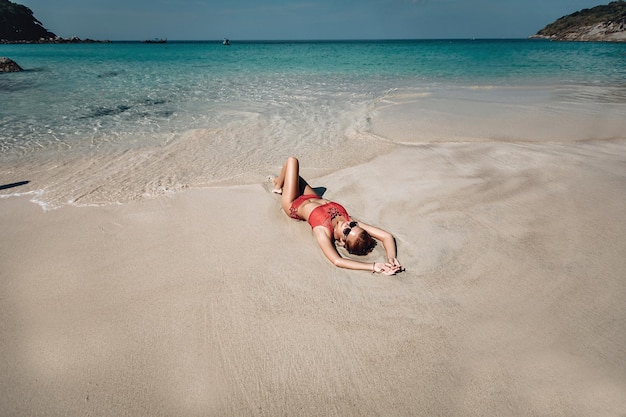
(57, 39)
(602, 32)
(17, 23)
(605, 31)
(605, 23)
(8, 65)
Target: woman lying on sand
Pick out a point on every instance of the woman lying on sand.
(331, 223)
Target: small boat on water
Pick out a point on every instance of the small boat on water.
(226, 42)
(155, 40)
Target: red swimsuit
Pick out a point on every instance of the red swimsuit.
(320, 216)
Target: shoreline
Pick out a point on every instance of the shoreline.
(211, 301)
(88, 174)
(57, 40)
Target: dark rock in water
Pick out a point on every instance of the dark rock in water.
(106, 111)
(109, 74)
(154, 101)
(8, 65)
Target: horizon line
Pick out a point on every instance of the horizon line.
(324, 40)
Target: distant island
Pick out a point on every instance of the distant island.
(19, 25)
(606, 23)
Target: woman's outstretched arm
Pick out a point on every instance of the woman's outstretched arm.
(330, 251)
(388, 241)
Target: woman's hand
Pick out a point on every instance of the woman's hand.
(396, 263)
(386, 268)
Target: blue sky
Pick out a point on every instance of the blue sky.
(299, 19)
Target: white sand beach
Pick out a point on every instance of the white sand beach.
(211, 302)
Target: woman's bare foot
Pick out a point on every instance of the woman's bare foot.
(274, 180)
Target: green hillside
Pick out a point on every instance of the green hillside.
(614, 13)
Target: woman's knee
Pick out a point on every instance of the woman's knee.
(293, 168)
(292, 160)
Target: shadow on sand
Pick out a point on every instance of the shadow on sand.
(15, 184)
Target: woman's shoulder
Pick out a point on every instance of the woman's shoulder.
(321, 232)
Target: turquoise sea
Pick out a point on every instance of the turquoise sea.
(105, 123)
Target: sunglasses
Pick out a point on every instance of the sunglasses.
(347, 230)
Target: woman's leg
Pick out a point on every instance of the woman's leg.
(292, 184)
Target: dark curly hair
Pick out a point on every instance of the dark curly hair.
(362, 244)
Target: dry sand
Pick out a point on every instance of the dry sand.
(212, 303)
